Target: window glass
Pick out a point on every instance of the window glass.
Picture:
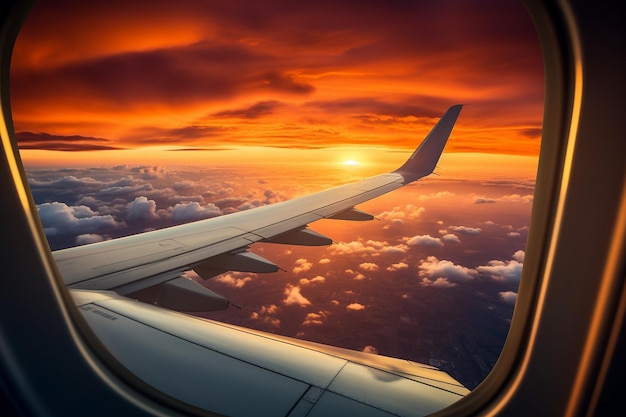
(135, 116)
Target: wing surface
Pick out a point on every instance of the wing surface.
(145, 261)
(236, 371)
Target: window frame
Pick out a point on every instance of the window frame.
(52, 364)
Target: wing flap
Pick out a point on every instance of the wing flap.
(182, 294)
(221, 359)
(303, 237)
(239, 261)
(353, 215)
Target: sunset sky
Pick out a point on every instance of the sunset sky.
(137, 115)
(190, 81)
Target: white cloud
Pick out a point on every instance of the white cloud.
(423, 240)
(450, 238)
(394, 250)
(184, 185)
(293, 296)
(397, 267)
(315, 280)
(355, 307)
(433, 268)
(369, 266)
(508, 297)
(370, 247)
(370, 349)
(466, 230)
(184, 198)
(141, 209)
(270, 309)
(437, 283)
(409, 211)
(264, 315)
(507, 271)
(124, 188)
(347, 248)
(271, 196)
(512, 198)
(90, 201)
(315, 319)
(519, 256)
(440, 194)
(150, 172)
(357, 276)
(233, 279)
(265, 319)
(88, 238)
(302, 265)
(517, 198)
(61, 219)
(185, 212)
(413, 211)
(247, 206)
(66, 182)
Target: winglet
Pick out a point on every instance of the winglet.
(424, 160)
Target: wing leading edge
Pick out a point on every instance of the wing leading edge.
(141, 264)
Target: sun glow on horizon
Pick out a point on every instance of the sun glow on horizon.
(350, 162)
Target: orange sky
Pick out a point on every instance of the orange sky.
(219, 75)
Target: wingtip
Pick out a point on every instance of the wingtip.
(424, 159)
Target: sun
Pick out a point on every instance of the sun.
(350, 162)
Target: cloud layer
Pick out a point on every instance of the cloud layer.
(398, 288)
(96, 204)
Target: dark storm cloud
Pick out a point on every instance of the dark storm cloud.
(364, 106)
(73, 143)
(255, 111)
(170, 75)
(209, 135)
(363, 63)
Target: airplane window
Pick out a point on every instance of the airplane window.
(136, 117)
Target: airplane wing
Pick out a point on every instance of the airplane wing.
(236, 371)
(150, 265)
(232, 370)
